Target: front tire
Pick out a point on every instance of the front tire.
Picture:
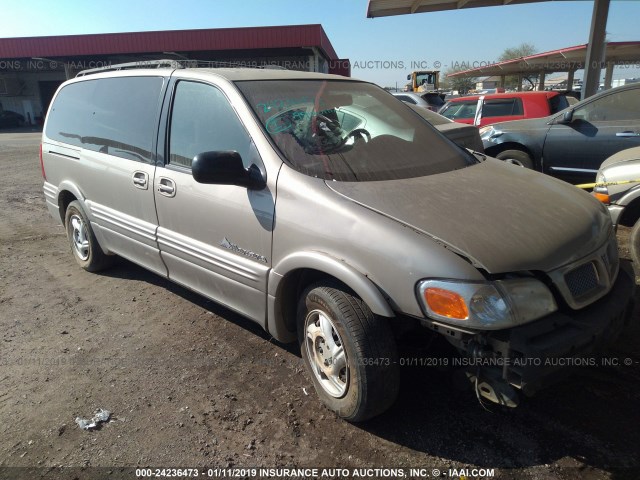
(517, 157)
(84, 246)
(349, 352)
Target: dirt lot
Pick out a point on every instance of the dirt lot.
(192, 385)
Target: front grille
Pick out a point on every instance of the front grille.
(582, 280)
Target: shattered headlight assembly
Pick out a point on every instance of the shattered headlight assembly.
(489, 133)
(486, 305)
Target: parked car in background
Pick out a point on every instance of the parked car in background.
(483, 110)
(488, 91)
(431, 101)
(10, 119)
(571, 144)
(618, 187)
(467, 136)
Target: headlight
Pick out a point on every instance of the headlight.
(486, 305)
(489, 132)
(600, 191)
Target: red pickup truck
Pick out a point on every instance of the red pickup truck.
(483, 110)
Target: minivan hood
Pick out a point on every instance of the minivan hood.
(628, 155)
(502, 217)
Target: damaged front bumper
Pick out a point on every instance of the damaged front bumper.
(530, 357)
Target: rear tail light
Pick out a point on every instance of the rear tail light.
(44, 175)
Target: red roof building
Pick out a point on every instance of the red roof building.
(31, 68)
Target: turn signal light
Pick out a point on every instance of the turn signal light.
(603, 197)
(446, 303)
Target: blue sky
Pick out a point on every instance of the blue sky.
(471, 35)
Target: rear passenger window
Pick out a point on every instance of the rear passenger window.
(502, 107)
(202, 120)
(115, 116)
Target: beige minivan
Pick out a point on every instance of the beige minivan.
(332, 214)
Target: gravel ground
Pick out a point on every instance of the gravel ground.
(191, 384)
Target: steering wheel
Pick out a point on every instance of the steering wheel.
(358, 131)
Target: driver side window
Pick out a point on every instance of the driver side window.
(202, 120)
(616, 106)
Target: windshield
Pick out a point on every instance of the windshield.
(425, 79)
(432, 117)
(455, 110)
(349, 131)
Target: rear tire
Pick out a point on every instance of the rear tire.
(349, 352)
(517, 157)
(84, 246)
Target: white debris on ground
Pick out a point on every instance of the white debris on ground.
(100, 416)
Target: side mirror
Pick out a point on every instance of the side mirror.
(408, 77)
(566, 118)
(226, 168)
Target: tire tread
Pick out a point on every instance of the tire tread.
(372, 338)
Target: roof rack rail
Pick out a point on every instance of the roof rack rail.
(194, 63)
(181, 63)
(132, 65)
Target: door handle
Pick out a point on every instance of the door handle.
(627, 134)
(166, 187)
(140, 180)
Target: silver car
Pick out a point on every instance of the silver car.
(618, 187)
(431, 101)
(467, 136)
(326, 211)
